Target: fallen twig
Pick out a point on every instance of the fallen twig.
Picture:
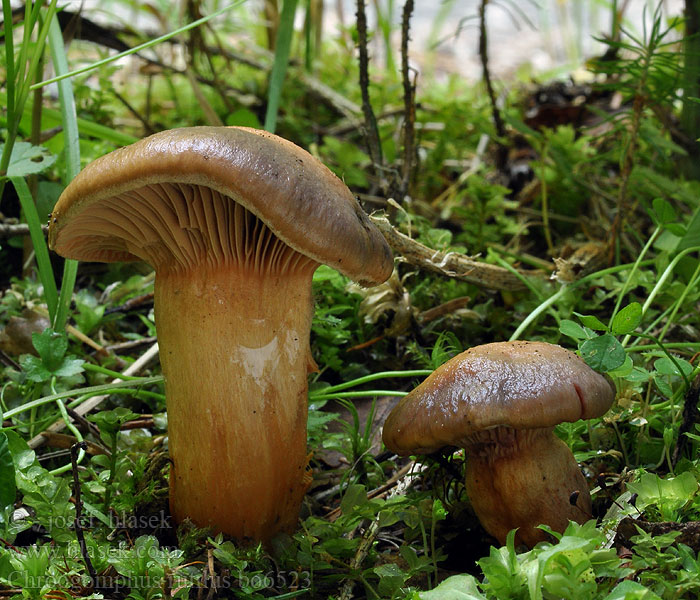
(10, 230)
(450, 264)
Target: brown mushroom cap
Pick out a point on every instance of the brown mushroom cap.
(521, 385)
(299, 199)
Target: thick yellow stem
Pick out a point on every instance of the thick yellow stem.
(235, 356)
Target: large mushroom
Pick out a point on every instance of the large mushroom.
(500, 402)
(234, 221)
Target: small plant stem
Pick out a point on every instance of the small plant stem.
(74, 430)
(136, 49)
(81, 446)
(545, 205)
(502, 153)
(662, 280)
(670, 356)
(525, 281)
(409, 103)
(672, 345)
(112, 471)
(85, 393)
(370, 126)
(691, 416)
(373, 377)
(621, 442)
(635, 267)
(362, 394)
(426, 547)
(679, 301)
(433, 523)
(105, 371)
(560, 293)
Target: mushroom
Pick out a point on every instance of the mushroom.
(500, 402)
(234, 221)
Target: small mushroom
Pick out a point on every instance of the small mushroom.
(500, 402)
(234, 221)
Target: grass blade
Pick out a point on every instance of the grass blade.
(40, 249)
(135, 49)
(72, 157)
(279, 67)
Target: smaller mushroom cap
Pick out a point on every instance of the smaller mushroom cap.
(522, 385)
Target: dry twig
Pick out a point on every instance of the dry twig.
(450, 264)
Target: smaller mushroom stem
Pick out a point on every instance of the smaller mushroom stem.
(235, 373)
(524, 478)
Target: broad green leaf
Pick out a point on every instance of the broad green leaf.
(22, 455)
(669, 494)
(665, 366)
(391, 578)
(623, 370)
(457, 587)
(34, 368)
(8, 488)
(355, 495)
(572, 329)
(603, 353)
(592, 322)
(663, 211)
(639, 375)
(627, 320)
(52, 361)
(51, 347)
(28, 160)
(631, 590)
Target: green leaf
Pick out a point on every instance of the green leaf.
(623, 370)
(669, 495)
(592, 322)
(631, 590)
(627, 320)
(8, 489)
(355, 495)
(665, 366)
(572, 329)
(69, 366)
(457, 587)
(34, 368)
(51, 347)
(663, 211)
(603, 353)
(28, 160)
(52, 361)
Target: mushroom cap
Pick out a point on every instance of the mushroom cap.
(520, 385)
(299, 199)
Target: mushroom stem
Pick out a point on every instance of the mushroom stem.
(235, 373)
(523, 478)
